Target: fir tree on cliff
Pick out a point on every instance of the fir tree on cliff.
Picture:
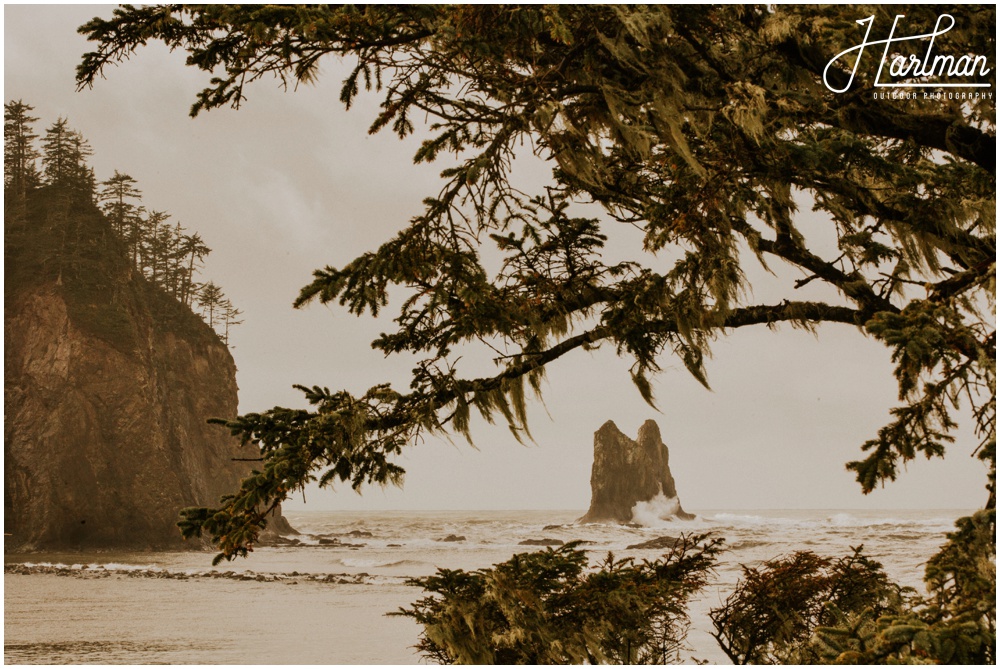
(20, 171)
(211, 302)
(121, 203)
(64, 156)
(64, 193)
(192, 250)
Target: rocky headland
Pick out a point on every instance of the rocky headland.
(108, 386)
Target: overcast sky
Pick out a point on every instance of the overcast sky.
(292, 182)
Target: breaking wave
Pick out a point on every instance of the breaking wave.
(832, 522)
(657, 511)
(378, 564)
(142, 571)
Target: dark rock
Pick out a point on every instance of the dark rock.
(277, 528)
(627, 472)
(552, 527)
(334, 541)
(393, 545)
(541, 542)
(360, 534)
(451, 537)
(660, 543)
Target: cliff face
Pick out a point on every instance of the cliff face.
(108, 383)
(103, 443)
(628, 472)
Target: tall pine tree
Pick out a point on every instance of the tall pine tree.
(20, 171)
(121, 196)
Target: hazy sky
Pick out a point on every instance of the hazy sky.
(292, 182)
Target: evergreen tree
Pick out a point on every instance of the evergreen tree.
(82, 177)
(548, 608)
(776, 608)
(58, 152)
(172, 268)
(71, 181)
(192, 250)
(147, 248)
(60, 156)
(211, 300)
(20, 173)
(708, 128)
(230, 318)
(121, 196)
(954, 624)
(164, 253)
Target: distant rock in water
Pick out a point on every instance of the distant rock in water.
(451, 538)
(660, 543)
(631, 478)
(109, 382)
(541, 542)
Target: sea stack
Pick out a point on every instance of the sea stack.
(627, 473)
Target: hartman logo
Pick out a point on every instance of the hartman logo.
(898, 71)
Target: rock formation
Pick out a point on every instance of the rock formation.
(544, 541)
(659, 543)
(627, 473)
(108, 384)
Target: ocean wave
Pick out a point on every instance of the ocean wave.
(656, 512)
(831, 522)
(906, 536)
(744, 545)
(91, 571)
(90, 566)
(378, 564)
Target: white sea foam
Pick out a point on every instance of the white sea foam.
(116, 566)
(93, 566)
(656, 512)
(834, 521)
(376, 564)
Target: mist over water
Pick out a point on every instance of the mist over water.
(326, 604)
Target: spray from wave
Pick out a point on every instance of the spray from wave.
(657, 511)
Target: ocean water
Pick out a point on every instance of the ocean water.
(326, 604)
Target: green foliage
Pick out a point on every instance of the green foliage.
(772, 614)
(54, 232)
(705, 127)
(20, 172)
(291, 441)
(64, 156)
(931, 339)
(806, 609)
(549, 608)
(954, 624)
(69, 245)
